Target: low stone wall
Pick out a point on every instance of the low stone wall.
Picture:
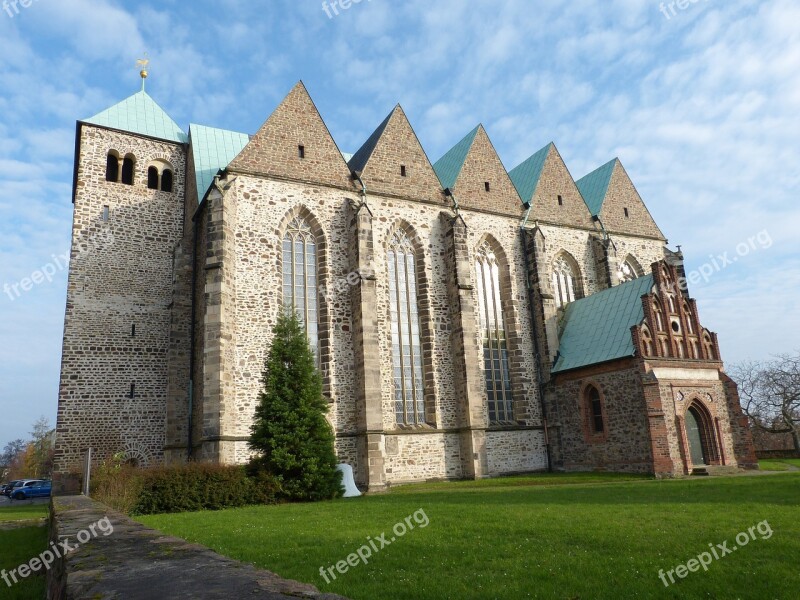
(109, 556)
(766, 454)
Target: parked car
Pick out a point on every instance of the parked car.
(37, 489)
(20, 484)
(6, 489)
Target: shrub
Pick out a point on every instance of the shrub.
(290, 431)
(184, 488)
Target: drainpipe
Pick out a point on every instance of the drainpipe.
(537, 356)
(455, 208)
(357, 175)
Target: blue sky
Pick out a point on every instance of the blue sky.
(701, 104)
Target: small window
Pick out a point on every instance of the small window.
(133, 330)
(127, 170)
(166, 181)
(112, 168)
(487, 186)
(560, 201)
(676, 327)
(105, 214)
(301, 151)
(152, 178)
(132, 394)
(595, 407)
(402, 170)
(626, 213)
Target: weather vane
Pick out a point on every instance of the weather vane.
(142, 64)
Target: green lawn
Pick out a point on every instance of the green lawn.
(528, 537)
(19, 546)
(24, 512)
(779, 464)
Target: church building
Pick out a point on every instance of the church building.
(468, 321)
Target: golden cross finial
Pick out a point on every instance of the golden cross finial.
(142, 64)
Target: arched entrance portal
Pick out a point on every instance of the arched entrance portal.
(695, 436)
(701, 436)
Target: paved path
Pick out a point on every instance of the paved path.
(137, 563)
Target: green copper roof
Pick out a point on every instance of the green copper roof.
(598, 328)
(594, 186)
(140, 114)
(526, 176)
(448, 168)
(359, 160)
(213, 150)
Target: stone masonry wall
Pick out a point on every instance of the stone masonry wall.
(625, 444)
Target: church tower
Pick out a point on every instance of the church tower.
(128, 191)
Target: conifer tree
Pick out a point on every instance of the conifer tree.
(290, 431)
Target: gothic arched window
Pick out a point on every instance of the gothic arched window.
(628, 270)
(565, 282)
(594, 408)
(300, 277)
(495, 347)
(409, 395)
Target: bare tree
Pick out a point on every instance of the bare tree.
(770, 394)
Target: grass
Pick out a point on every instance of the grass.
(26, 512)
(572, 537)
(18, 546)
(779, 464)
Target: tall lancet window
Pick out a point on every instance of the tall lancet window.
(564, 282)
(495, 348)
(300, 277)
(409, 395)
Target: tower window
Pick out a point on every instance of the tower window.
(133, 330)
(152, 178)
(402, 170)
(301, 151)
(560, 201)
(626, 213)
(112, 167)
(487, 186)
(166, 181)
(132, 393)
(105, 214)
(128, 166)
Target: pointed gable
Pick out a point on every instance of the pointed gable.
(594, 186)
(526, 175)
(275, 150)
(448, 168)
(545, 184)
(610, 193)
(393, 162)
(140, 114)
(481, 181)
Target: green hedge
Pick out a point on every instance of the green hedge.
(184, 488)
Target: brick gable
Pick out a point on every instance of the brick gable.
(275, 150)
(481, 166)
(391, 148)
(556, 181)
(622, 195)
